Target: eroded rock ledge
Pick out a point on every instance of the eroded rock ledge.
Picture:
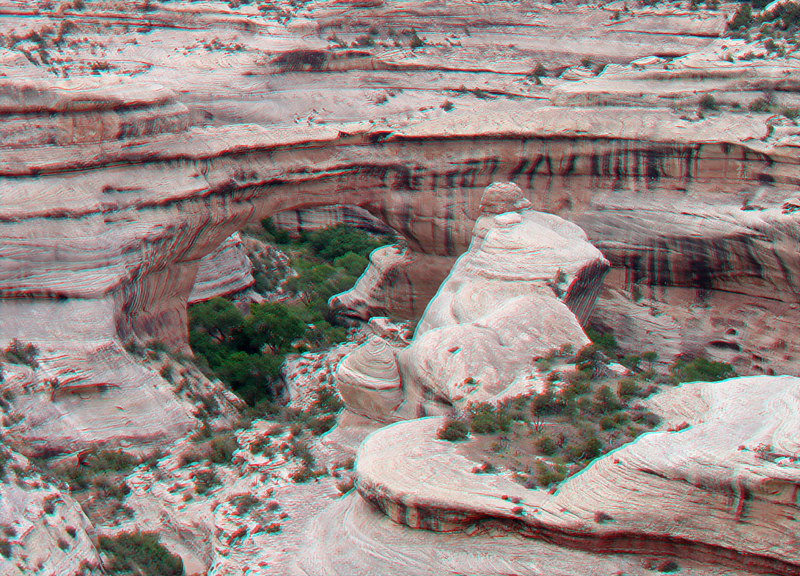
(720, 490)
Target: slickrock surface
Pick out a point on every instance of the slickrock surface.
(103, 397)
(716, 483)
(352, 537)
(46, 531)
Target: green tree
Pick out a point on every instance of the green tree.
(273, 325)
(334, 241)
(217, 317)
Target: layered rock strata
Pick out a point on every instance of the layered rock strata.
(521, 291)
(211, 181)
(718, 455)
(512, 298)
(226, 271)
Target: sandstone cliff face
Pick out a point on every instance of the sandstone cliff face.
(178, 149)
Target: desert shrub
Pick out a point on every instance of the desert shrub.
(790, 113)
(546, 445)
(49, 505)
(742, 18)
(605, 401)
(631, 361)
(578, 382)
(605, 342)
(244, 503)
(335, 241)
(453, 430)
(700, 369)
(297, 60)
(301, 450)
(139, 553)
(485, 468)
(486, 419)
(319, 426)
(222, 449)
(650, 356)
(647, 418)
(273, 233)
(547, 474)
(205, 480)
(627, 388)
(611, 421)
(587, 447)
(708, 102)
(544, 403)
(111, 488)
(304, 474)
(18, 353)
(327, 401)
(110, 461)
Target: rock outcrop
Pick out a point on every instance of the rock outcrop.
(43, 530)
(714, 456)
(521, 291)
(226, 271)
(512, 298)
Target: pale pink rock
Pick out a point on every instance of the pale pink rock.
(369, 381)
(225, 271)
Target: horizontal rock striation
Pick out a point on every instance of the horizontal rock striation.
(297, 221)
(369, 381)
(353, 537)
(720, 489)
(225, 271)
(505, 303)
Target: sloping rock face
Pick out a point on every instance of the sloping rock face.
(725, 462)
(512, 298)
(46, 531)
(225, 271)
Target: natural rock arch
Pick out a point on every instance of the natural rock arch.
(105, 232)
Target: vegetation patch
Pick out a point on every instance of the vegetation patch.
(139, 553)
(246, 350)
